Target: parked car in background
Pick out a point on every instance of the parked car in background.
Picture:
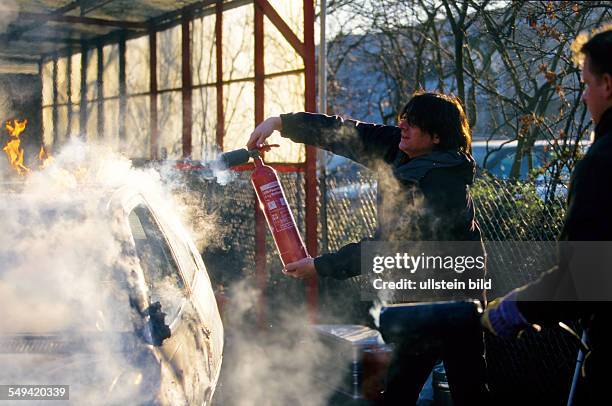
(497, 156)
(111, 298)
(349, 180)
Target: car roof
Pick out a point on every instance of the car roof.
(514, 143)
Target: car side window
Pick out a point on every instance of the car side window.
(184, 255)
(158, 265)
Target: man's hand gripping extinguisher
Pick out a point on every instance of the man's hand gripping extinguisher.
(272, 202)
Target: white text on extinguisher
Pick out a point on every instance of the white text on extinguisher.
(280, 216)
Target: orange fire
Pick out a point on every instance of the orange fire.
(13, 149)
(44, 157)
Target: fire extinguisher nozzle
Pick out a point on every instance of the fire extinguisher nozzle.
(237, 157)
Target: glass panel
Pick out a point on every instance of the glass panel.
(47, 83)
(204, 131)
(137, 65)
(75, 79)
(204, 58)
(111, 123)
(47, 115)
(110, 75)
(158, 265)
(137, 127)
(284, 94)
(238, 47)
(92, 74)
(75, 130)
(62, 80)
(170, 125)
(92, 122)
(62, 125)
(238, 105)
(169, 59)
(292, 12)
(280, 56)
(184, 255)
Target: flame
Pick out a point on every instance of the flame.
(13, 149)
(15, 153)
(44, 157)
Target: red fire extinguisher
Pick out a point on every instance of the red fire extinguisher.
(273, 203)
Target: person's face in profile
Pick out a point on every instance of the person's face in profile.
(414, 141)
(597, 92)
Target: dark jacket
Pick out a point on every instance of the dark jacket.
(588, 218)
(420, 199)
(553, 297)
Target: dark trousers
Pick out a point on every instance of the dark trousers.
(464, 362)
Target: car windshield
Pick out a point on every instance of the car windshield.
(499, 161)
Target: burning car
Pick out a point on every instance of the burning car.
(103, 290)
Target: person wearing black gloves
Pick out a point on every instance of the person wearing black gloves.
(424, 169)
(556, 295)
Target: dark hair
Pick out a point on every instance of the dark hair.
(599, 51)
(442, 115)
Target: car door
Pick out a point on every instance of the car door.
(201, 320)
(206, 330)
(166, 285)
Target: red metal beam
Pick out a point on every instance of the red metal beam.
(37, 39)
(134, 25)
(153, 94)
(83, 101)
(260, 222)
(122, 90)
(186, 64)
(16, 32)
(100, 90)
(287, 168)
(311, 155)
(219, 55)
(68, 81)
(282, 26)
(55, 111)
(259, 66)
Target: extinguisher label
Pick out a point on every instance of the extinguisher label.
(277, 206)
(271, 185)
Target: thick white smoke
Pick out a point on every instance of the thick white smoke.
(284, 364)
(65, 274)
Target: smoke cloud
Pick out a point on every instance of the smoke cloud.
(274, 365)
(66, 268)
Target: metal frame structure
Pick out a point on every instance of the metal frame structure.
(125, 30)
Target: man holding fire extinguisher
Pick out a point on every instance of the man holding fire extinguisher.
(425, 167)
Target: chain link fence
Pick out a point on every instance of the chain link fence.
(538, 367)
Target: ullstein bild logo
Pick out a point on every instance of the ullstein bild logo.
(432, 284)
